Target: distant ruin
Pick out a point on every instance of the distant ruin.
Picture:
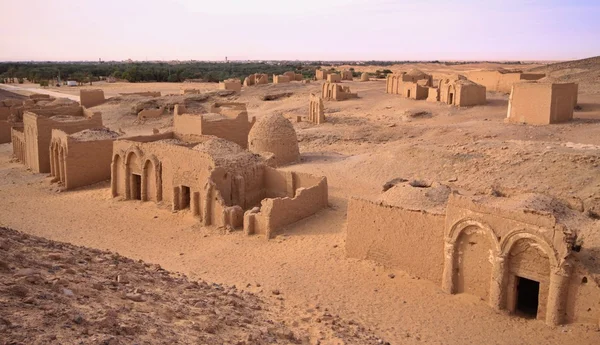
(336, 92)
(91, 98)
(541, 103)
(293, 76)
(461, 92)
(82, 158)
(347, 75)
(412, 84)
(256, 79)
(233, 84)
(316, 110)
(334, 78)
(225, 120)
(364, 76)
(31, 142)
(280, 79)
(501, 80)
(321, 74)
(517, 253)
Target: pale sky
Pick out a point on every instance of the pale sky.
(300, 29)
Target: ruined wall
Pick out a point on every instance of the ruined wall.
(470, 95)
(321, 74)
(316, 110)
(91, 98)
(501, 82)
(281, 79)
(150, 113)
(583, 297)
(18, 143)
(412, 241)
(347, 75)
(81, 163)
(334, 78)
(336, 92)
(142, 93)
(433, 94)
(275, 213)
(38, 134)
(233, 125)
(231, 84)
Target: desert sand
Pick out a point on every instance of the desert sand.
(364, 143)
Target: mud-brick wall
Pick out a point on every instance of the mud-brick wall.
(91, 98)
(87, 162)
(310, 196)
(234, 129)
(583, 304)
(530, 103)
(412, 241)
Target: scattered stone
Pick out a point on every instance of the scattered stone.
(136, 297)
(392, 275)
(276, 292)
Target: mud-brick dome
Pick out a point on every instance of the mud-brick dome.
(364, 76)
(275, 134)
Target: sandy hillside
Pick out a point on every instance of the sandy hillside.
(365, 143)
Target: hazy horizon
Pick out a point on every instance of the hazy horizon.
(342, 30)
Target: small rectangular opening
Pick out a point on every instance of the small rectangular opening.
(185, 197)
(451, 98)
(408, 94)
(528, 292)
(136, 187)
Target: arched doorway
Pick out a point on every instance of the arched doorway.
(474, 252)
(133, 176)
(528, 279)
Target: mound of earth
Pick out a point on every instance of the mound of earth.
(57, 293)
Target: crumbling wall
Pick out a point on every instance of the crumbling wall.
(18, 143)
(334, 78)
(346, 75)
(150, 113)
(38, 134)
(275, 213)
(233, 125)
(142, 93)
(281, 79)
(336, 92)
(412, 241)
(233, 84)
(316, 110)
(321, 74)
(91, 98)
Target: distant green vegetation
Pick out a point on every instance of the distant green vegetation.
(142, 71)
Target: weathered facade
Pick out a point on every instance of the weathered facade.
(336, 92)
(316, 110)
(321, 74)
(541, 103)
(281, 79)
(256, 79)
(517, 253)
(216, 180)
(37, 132)
(461, 92)
(334, 78)
(346, 75)
(413, 84)
(82, 158)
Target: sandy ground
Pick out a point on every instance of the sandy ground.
(366, 142)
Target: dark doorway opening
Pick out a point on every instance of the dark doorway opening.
(136, 187)
(451, 98)
(185, 197)
(528, 292)
(408, 94)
